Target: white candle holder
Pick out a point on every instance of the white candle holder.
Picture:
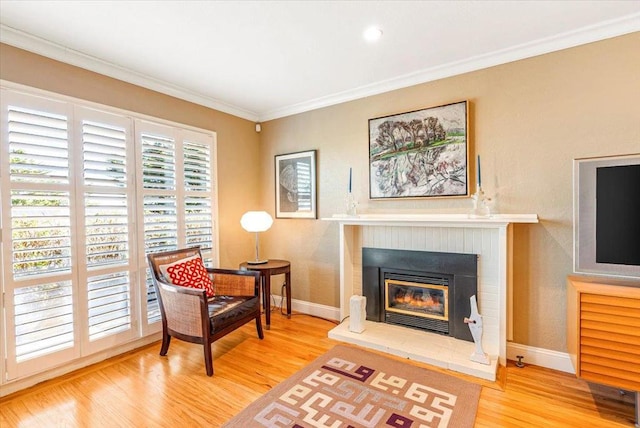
(351, 205)
(481, 204)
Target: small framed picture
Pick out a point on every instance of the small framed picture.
(296, 185)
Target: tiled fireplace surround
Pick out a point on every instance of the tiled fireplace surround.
(490, 238)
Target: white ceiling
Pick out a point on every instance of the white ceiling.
(262, 60)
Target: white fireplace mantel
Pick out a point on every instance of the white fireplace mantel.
(489, 237)
(448, 220)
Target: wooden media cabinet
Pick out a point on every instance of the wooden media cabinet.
(603, 332)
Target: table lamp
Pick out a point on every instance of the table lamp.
(256, 221)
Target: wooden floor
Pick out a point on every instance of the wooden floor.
(142, 389)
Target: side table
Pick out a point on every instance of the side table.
(272, 267)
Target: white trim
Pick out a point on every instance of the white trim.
(19, 384)
(105, 108)
(433, 220)
(540, 357)
(604, 30)
(309, 308)
(43, 47)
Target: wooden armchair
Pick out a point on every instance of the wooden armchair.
(189, 314)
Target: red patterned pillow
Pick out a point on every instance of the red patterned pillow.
(189, 272)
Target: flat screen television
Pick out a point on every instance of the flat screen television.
(607, 216)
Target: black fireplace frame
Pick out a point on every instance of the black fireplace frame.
(461, 270)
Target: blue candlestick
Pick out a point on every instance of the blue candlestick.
(479, 173)
(350, 173)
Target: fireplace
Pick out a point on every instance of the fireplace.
(420, 289)
(491, 239)
(416, 302)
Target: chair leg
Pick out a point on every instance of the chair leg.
(166, 341)
(208, 360)
(259, 326)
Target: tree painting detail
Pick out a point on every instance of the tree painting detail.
(419, 154)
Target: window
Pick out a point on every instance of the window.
(87, 193)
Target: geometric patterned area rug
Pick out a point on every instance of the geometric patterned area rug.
(350, 387)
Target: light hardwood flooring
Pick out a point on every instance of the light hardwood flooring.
(142, 389)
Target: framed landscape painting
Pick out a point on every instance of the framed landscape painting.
(423, 153)
(296, 185)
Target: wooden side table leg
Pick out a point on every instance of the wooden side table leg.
(287, 278)
(262, 293)
(267, 296)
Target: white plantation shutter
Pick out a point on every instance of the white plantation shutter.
(158, 161)
(84, 195)
(109, 305)
(38, 146)
(160, 212)
(104, 153)
(160, 222)
(199, 226)
(197, 166)
(41, 241)
(43, 319)
(38, 245)
(177, 188)
(198, 203)
(106, 269)
(107, 229)
(159, 192)
(40, 233)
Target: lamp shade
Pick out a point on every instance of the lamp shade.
(256, 221)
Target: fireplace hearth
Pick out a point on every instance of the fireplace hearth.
(420, 289)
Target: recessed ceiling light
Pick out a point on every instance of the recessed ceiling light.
(372, 34)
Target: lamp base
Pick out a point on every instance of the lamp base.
(257, 262)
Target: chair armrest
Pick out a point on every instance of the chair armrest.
(229, 282)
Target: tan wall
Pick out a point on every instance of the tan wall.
(529, 120)
(238, 143)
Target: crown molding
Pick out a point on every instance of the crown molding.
(604, 30)
(601, 31)
(60, 53)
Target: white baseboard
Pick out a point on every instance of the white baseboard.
(321, 311)
(537, 356)
(540, 357)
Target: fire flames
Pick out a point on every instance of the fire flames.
(421, 301)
